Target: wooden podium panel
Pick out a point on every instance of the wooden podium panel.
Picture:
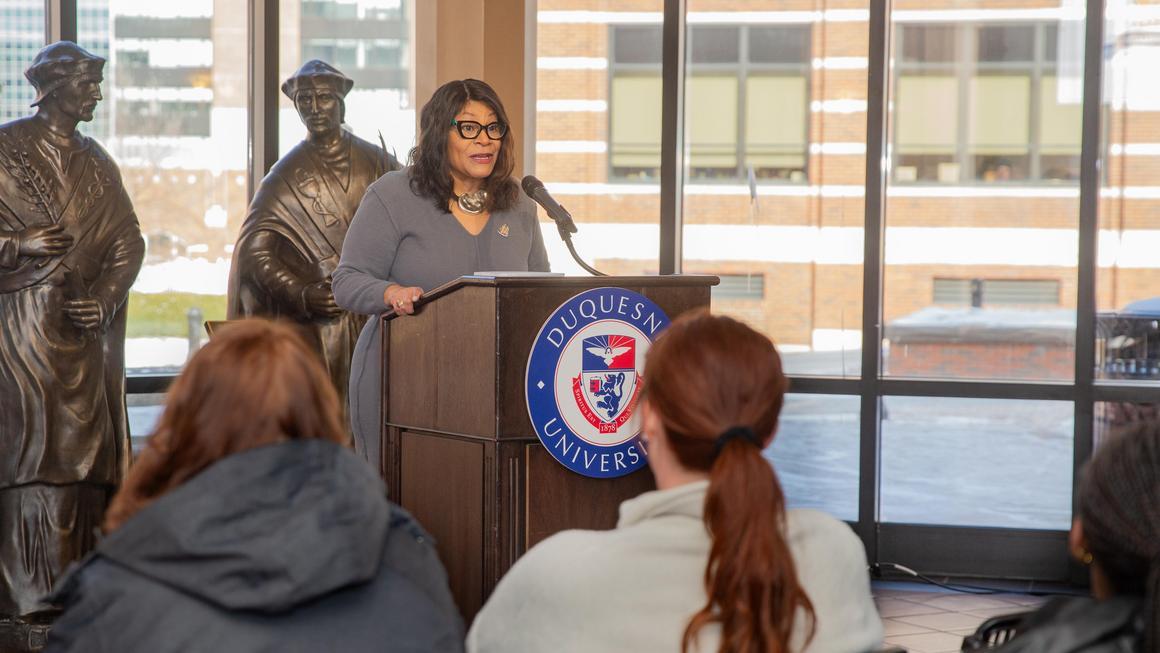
(449, 506)
(564, 501)
(459, 450)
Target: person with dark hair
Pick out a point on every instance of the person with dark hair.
(455, 210)
(247, 524)
(1116, 533)
(711, 560)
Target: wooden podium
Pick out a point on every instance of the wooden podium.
(459, 450)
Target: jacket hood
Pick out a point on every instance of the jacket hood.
(265, 530)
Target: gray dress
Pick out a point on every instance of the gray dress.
(398, 237)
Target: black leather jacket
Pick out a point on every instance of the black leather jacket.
(1081, 625)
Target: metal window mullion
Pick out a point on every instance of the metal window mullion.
(1126, 392)
(672, 135)
(870, 441)
(965, 47)
(612, 70)
(742, 99)
(1089, 189)
(60, 20)
(262, 83)
(1035, 108)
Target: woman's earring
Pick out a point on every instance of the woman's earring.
(1085, 556)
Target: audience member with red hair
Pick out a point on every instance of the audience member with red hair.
(710, 561)
(247, 524)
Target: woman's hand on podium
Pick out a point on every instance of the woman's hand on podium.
(402, 298)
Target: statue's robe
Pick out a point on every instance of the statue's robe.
(292, 238)
(64, 437)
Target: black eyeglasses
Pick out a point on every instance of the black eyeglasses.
(470, 129)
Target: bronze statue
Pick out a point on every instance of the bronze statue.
(70, 248)
(292, 237)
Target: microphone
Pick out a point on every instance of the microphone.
(534, 188)
(564, 225)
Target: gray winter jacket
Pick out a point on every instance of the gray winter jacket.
(289, 547)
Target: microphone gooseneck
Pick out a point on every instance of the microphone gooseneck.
(534, 188)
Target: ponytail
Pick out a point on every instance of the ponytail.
(752, 585)
(718, 388)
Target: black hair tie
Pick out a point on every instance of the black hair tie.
(733, 433)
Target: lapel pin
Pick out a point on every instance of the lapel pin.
(504, 230)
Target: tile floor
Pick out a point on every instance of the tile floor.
(928, 619)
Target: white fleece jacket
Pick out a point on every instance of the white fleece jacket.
(634, 588)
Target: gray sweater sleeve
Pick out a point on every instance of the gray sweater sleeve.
(368, 252)
(538, 257)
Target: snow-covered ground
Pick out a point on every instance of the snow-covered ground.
(192, 275)
(152, 353)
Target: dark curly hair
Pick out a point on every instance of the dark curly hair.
(1119, 507)
(430, 171)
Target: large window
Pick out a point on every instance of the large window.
(370, 42)
(737, 75)
(987, 103)
(1127, 326)
(174, 118)
(980, 274)
(770, 100)
(22, 30)
(589, 121)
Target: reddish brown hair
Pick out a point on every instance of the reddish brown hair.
(255, 383)
(706, 375)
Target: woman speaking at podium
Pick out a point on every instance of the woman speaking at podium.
(454, 210)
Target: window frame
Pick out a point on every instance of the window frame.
(743, 68)
(965, 68)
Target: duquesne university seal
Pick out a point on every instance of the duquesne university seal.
(584, 377)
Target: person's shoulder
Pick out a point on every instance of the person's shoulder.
(18, 128)
(1107, 626)
(295, 157)
(562, 554)
(410, 551)
(91, 590)
(820, 541)
(98, 151)
(809, 523)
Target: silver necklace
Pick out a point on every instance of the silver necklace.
(473, 202)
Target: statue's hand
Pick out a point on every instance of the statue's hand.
(319, 301)
(85, 313)
(44, 241)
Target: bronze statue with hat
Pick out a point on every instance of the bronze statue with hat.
(70, 248)
(291, 239)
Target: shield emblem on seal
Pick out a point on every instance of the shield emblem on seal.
(608, 378)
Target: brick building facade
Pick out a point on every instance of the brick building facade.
(1012, 62)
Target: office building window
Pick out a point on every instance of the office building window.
(370, 42)
(996, 292)
(983, 103)
(23, 22)
(746, 102)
